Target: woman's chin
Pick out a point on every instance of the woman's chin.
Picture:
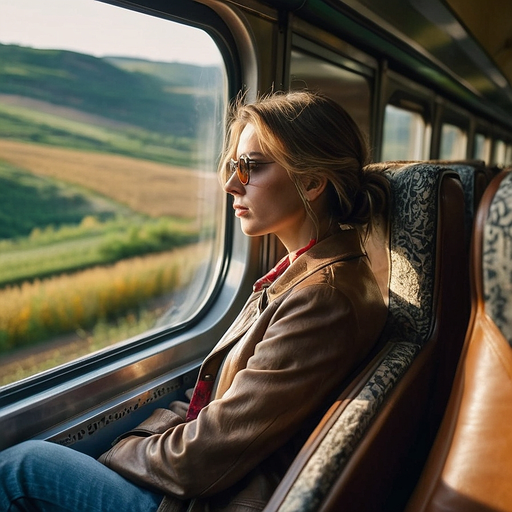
(251, 231)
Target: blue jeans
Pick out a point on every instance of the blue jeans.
(42, 476)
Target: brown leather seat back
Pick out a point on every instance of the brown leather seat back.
(470, 466)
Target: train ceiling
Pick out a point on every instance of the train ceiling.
(490, 22)
(463, 47)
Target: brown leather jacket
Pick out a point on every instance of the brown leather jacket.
(290, 348)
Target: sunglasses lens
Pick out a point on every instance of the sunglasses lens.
(243, 171)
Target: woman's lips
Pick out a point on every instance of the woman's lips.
(240, 210)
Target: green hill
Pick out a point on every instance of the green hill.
(155, 96)
(28, 201)
(177, 75)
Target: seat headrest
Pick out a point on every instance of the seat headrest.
(413, 232)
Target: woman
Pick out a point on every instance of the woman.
(294, 164)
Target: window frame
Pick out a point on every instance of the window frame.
(481, 127)
(450, 114)
(38, 403)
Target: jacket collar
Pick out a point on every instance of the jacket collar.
(340, 246)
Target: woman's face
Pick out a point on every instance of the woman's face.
(270, 202)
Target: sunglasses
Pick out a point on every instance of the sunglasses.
(243, 168)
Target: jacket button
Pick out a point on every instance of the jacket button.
(208, 376)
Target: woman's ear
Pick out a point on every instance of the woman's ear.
(313, 187)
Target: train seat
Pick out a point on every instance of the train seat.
(379, 429)
(470, 466)
(475, 178)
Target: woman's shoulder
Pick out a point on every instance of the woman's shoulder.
(331, 261)
(343, 275)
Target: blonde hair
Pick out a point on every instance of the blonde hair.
(312, 136)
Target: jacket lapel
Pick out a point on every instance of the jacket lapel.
(344, 245)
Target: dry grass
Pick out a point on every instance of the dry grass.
(146, 187)
(36, 311)
(63, 349)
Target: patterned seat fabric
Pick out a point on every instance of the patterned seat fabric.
(413, 234)
(497, 259)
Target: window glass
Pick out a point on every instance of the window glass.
(453, 143)
(481, 148)
(349, 89)
(500, 150)
(405, 135)
(111, 214)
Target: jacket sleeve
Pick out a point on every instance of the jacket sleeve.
(313, 341)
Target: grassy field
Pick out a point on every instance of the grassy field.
(36, 121)
(34, 312)
(91, 243)
(129, 281)
(48, 226)
(147, 100)
(90, 250)
(69, 347)
(29, 202)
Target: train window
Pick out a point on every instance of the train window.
(405, 135)
(499, 152)
(111, 214)
(453, 143)
(351, 90)
(481, 147)
(502, 153)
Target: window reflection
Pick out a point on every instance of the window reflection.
(349, 89)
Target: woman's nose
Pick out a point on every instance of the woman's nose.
(233, 186)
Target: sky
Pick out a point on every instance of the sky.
(90, 26)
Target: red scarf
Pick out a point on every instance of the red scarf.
(273, 274)
(204, 388)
